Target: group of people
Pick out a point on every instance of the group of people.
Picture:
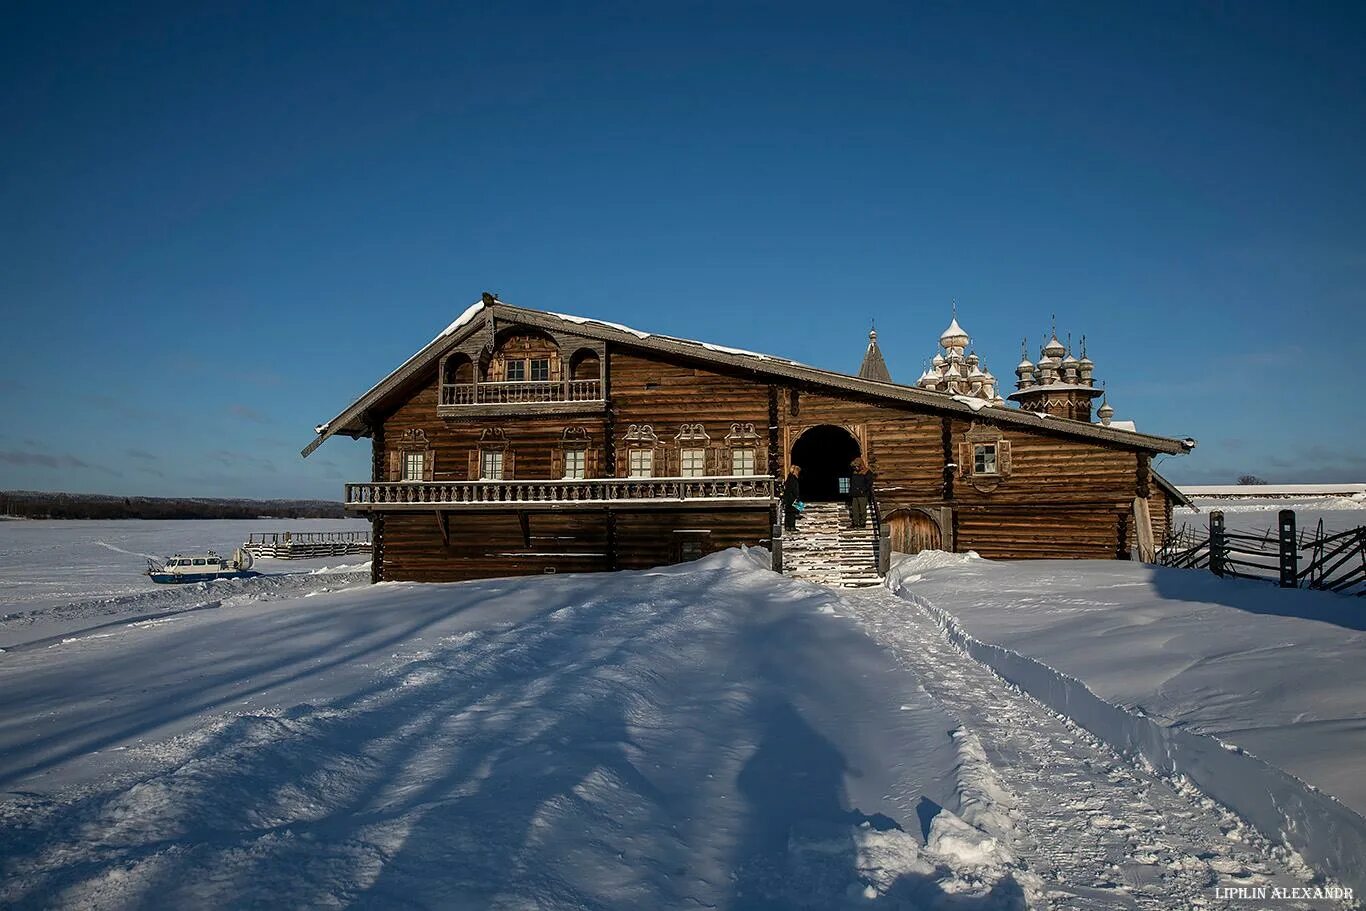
(860, 491)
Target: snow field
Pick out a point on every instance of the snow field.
(703, 734)
(1023, 615)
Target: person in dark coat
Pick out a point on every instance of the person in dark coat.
(860, 492)
(792, 495)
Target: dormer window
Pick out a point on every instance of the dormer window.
(516, 371)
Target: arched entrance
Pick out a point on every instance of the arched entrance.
(910, 531)
(824, 453)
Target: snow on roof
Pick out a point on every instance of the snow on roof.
(470, 313)
(972, 402)
(954, 329)
(581, 320)
(1270, 490)
(1123, 425)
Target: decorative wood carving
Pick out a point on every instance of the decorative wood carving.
(694, 434)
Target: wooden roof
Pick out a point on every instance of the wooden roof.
(352, 420)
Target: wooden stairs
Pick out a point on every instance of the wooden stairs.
(827, 550)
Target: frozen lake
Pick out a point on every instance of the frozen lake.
(50, 563)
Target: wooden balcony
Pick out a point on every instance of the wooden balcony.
(559, 395)
(415, 496)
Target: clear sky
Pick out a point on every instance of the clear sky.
(221, 225)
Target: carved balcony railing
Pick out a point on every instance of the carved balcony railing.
(413, 495)
(520, 393)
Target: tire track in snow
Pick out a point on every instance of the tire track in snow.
(1101, 832)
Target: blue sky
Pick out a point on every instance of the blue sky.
(221, 225)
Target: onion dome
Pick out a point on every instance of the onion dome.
(1105, 412)
(1054, 349)
(954, 336)
(938, 360)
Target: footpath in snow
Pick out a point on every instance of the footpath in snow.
(1250, 692)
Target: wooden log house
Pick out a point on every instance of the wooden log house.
(520, 441)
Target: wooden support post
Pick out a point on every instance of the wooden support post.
(1290, 550)
(376, 548)
(524, 519)
(884, 550)
(946, 441)
(774, 456)
(611, 541)
(443, 525)
(777, 547)
(1218, 544)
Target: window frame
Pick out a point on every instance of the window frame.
(521, 366)
(486, 455)
(695, 454)
(531, 364)
(741, 454)
(984, 454)
(640, 462)
(411, 457)
(579, 455)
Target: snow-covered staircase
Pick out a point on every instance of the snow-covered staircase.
(826, 549)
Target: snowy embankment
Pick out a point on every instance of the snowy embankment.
(703, 735)
(1251, 693)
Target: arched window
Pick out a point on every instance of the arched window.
(457, 380)
(585, 365)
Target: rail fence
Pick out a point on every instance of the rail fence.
(306, 545)
(1287, 555)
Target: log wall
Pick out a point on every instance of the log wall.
(1062, 497)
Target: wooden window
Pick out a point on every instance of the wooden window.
(491, 465)
(693, 463)
(413, 465)
(984, 458)
(575, 464)
(742, 462)
(540, 369)
(516, 371)
(641, 463)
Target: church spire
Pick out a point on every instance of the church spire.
(874, 367)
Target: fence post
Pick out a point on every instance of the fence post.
(1290, 550)
(884, 550)
(777, 542)
(1218, 545)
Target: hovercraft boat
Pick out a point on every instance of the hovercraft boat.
(206, 567)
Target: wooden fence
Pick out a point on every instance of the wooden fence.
(1291, 557)
(306, 545)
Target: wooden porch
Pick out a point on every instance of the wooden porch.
(720, 492)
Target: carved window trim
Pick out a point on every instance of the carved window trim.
(411, 442)
(492, 440)
(574, 447)
(982, 435)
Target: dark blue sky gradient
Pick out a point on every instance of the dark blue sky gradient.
(221, 226)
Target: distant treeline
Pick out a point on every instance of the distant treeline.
(31, 504)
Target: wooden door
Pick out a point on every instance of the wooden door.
(911, 531)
